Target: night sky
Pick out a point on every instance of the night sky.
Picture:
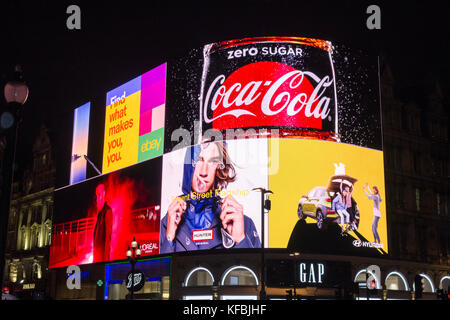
(121, 40)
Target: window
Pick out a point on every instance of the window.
(428, 285)
(13, 269)
(36, 214)
(445, 206)
(34, 236)
(198, 297)
(199, 277)
(152, 287)
(438, 204)
(417, 199)
(238, 297)
(361, 280)
(24, 238)
(404, 119)
(234, 280)
(416, 161)
(424, 126)
(444, 283)
(396, 196)
(37, 271)
(50, 210)
(396, 281)
(321, 192)
(165, 287)
(398, 158)
(48, 232)
(239, 275)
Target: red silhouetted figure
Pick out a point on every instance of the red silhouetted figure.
(103, 227)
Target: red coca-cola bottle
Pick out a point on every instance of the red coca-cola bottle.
(265, 83)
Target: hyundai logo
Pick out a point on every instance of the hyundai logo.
(357, 243)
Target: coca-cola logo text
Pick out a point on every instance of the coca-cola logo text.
(268, 94)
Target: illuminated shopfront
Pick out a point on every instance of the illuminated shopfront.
(157, 282)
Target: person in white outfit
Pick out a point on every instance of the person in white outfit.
(375, 196)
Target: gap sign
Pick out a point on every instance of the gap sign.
(308, 273)
(311, 273)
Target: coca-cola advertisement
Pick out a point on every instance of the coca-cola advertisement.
(260, 83)
(302, 87)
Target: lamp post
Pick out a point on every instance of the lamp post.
(265, 204)
(16, 94)
(295, 254)
(133, 253)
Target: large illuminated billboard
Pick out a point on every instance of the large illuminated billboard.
(314, 181)
(134, 120)
(197, 139)
(316, 104)
(80, 143)
(208, 201)
(97, 219)
(328, 197)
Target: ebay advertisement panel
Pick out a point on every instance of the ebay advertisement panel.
(134, 120)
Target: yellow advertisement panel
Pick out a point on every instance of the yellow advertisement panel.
(328, 197)
(121, 133)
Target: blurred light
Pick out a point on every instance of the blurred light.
(6, 120)
(134, 243)
(16, 90)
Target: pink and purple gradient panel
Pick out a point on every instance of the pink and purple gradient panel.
(153, 94)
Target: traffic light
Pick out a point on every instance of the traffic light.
(442, 295)
(338, 293)
(372, 288)
(356, 289)
(418, 285)
(348, 294)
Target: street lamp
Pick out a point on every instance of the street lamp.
(265, 204)
(16, 94)
(294, 254)
(133, 253)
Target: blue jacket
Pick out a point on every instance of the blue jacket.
(337, 203)
(183, 240)
(207, 219)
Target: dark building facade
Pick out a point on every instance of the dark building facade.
(30, 223)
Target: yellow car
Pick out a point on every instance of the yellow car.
(317, 204)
